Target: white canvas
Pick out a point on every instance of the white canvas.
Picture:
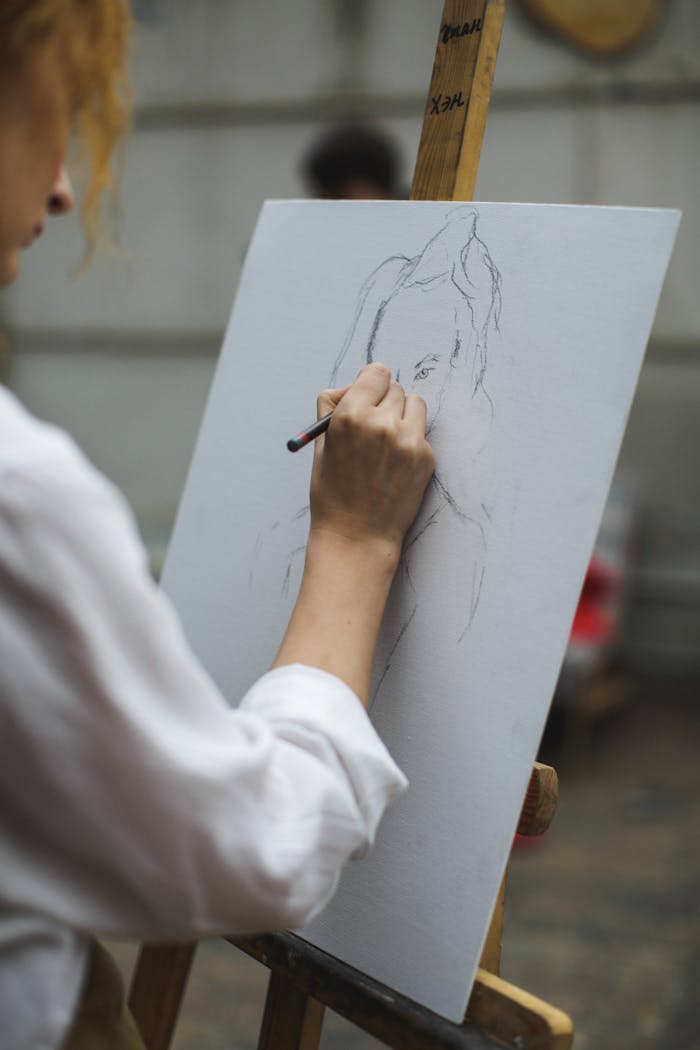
(524, 327)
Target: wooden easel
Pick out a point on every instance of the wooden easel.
(303, 980)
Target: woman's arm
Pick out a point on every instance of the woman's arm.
(135, 801)
(369, 475)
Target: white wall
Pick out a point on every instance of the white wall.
(228, 96)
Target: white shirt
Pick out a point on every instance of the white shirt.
(134, 801)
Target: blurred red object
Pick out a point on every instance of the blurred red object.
(596, 619)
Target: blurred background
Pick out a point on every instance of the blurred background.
(231, 95)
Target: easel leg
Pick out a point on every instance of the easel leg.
(491, 953)
(292, 1020)
(157, 990)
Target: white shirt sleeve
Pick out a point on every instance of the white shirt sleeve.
(135, 801)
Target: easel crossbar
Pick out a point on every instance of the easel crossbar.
(390, 1017)
(381, 1012)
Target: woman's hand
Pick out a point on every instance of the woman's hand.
(372, 466)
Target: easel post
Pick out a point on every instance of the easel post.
(303, 980)
(458, 100)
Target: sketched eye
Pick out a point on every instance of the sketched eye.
(423, 373)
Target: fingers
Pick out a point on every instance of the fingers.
(392, 404)
(370, 387)
(372, 466)
(375, 388)
(415, 413)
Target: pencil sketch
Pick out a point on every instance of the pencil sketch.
(455, 260)
(430, 317)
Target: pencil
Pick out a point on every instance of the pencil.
(314, 430)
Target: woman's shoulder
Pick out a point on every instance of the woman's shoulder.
(25, 439)
(35, 448)
(42, 466)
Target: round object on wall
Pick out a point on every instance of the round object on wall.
(604, 28)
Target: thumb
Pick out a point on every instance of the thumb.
(327, 401)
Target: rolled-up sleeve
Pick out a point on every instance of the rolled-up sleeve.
(136, 802)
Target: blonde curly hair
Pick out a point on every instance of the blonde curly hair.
(93, 38)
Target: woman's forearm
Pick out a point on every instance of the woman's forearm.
(336, 619)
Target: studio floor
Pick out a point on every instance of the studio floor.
(603, 912)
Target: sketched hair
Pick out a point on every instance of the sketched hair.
(443, 258)
(92, 38)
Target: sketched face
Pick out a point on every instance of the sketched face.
(428, 381)
(428, 318)
(427, 363)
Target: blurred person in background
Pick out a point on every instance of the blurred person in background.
(353, 162)
(135, 802)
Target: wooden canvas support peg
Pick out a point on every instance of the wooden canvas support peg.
(458, 100)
